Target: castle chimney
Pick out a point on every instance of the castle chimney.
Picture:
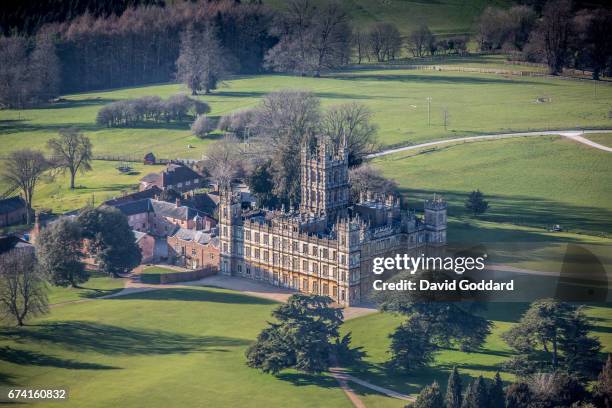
(36, 229)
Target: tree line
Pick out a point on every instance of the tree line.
(129, 112)
(555, 33)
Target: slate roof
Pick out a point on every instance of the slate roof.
(139, 195)
(151, 178)
(177, 173)
(134, 207)
(199, 237)
(161, 208)
(9, 242)
(9, 205)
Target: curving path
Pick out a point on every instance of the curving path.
(570, 134)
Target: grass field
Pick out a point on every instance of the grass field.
(601, 138)
(528, 181)
(179, 347)
(98, 285)
(476, 103)
(185, 347)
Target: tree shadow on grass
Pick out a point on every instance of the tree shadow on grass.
(26, 357)
(86, 336)
(8, 126)
(197, 295)
(303, 379)
(422, 77)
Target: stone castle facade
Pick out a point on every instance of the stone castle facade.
(327, 246)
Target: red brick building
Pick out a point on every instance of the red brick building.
(194, 249)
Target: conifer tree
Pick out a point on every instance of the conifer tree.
(476, 395)
(430, 397)
(496, 393)
(453, 390)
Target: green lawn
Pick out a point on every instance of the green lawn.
(98, 285)
(534, 182)
(476, 104)
(178, 347)
(601, 138)
(371, 332)
(530, 183)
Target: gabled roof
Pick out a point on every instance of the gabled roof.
(200, 237)
(161, 208)
(139, 195)
(11, 204)
(9, 242)
(177, 173)
(134, 207)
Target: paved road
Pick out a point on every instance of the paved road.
(570, 134)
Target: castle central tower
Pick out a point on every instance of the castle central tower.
(324, 179)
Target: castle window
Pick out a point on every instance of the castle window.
(247, 251)
(225, 231)
(304, 248)
(257, 237)
(342, 259)
(225, 248)
(285, 244)
(295, 264)
(257, 253)
(305, 285)
(315, 268)
(305, 266)
(335, 291)
(334, 273)
(247, 235)
(295, 246)
(325, 271)
(314, 250)
(265, 239)
(265, 254)
(275, 242)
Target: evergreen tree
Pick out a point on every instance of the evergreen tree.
(59, 253)
(476, 395)
(553, 335)
(302, 337)
(496, 393)
(410, 346)
(518, 396)
(602, 390)
(430, 397)
(453, 390)
(111, 240)
(476, 203)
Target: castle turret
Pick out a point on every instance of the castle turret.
(324, 179)
(435, 220)
(229, 227)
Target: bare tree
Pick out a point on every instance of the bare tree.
(223, 160)
(350, 121)
(419, 40)
(384, 41)
(23, 169)
(312, 39)
(283, 122)
(555, 30)
(202, 126)
(367, 178)
(360, 42)
(71, 152)
(202, 62)
(22, 286)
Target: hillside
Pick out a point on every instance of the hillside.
(445, 17)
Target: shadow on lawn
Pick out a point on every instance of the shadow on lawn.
(9, 126)
(86, 336)
(302, 379)
(422, 77)
(195, 295)
(522, 210)
(26, 357)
